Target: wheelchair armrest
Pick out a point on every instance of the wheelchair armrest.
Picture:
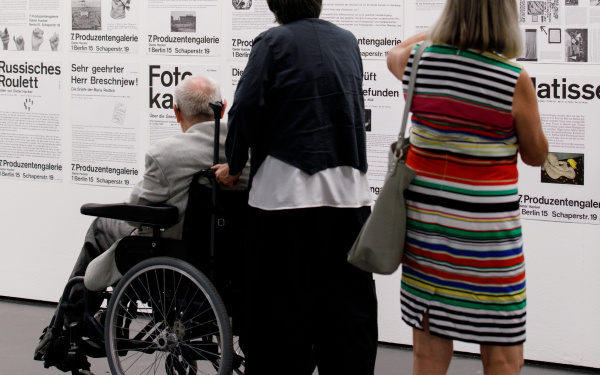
(152, 216)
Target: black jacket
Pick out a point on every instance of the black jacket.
(300, 100)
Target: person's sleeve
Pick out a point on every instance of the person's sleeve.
(247, 113)
(154, 187)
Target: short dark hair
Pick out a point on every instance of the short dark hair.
(292, 10)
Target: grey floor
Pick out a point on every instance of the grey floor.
(21, 323)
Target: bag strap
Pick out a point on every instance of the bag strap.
(409, 92)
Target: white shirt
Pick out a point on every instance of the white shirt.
(280, 186)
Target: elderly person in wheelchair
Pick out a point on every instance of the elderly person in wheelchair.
(164, 312)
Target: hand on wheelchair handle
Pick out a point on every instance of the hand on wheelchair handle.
(223, 177)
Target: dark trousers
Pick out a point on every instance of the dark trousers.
(304, 298)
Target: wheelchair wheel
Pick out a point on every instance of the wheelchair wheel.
(166, 317)
(239, 362)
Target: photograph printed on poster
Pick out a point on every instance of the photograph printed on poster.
(119, 9)
(539, 11)
(530, 50)
(86, 15)
(242, 4)
(554, 36)
(576, 45)
(37, 39)
(563, 168)
(183, 22)
(368, 119)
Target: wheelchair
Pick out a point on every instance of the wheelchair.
(177, 307)
(176, 310)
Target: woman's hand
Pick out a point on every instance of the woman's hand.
(224, 178)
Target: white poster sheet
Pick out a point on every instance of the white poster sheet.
(560, 31)
(30, 120)
(30, 25)
(565, 188)
(185, 27)
(105, 26)
(104, 123)
(377, 24)
(384, 103)
(244, 20)
(163, 79)
(231, 78)
(423, 15)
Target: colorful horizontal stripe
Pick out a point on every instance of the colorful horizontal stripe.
(463, 262)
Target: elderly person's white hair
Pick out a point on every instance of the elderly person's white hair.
(192, 96)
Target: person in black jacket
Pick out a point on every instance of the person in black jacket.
(299, 108)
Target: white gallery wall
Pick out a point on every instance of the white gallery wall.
(75, 123)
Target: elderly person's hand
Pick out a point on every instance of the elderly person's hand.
(224, 178)
(37, 37)
(20, 42)
(5, 38)
(54, 42)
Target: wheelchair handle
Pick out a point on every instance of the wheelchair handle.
(206, 173)
(217, 108)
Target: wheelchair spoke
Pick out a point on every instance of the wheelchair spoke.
(206, 354)
(133, 318)
(183, 360)
(139, 356)
(162, 312)
(191, 328)
(166, 318)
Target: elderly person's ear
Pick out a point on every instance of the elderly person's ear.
(178, 114)
(224, 106)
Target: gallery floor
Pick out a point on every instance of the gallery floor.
(22, 322)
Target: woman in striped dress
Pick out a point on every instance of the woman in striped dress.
(474, 111)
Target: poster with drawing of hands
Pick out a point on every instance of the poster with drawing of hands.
(44, 36)
(31, 25)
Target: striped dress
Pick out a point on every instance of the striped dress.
(463, 262)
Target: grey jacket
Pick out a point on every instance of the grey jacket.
(170, 166)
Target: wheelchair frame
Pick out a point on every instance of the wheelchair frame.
(173, 328)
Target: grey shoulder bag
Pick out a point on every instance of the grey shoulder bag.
(379, 246)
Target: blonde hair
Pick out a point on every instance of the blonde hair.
(487, 25)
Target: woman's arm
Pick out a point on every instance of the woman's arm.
(533, 144)
(398, 56)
